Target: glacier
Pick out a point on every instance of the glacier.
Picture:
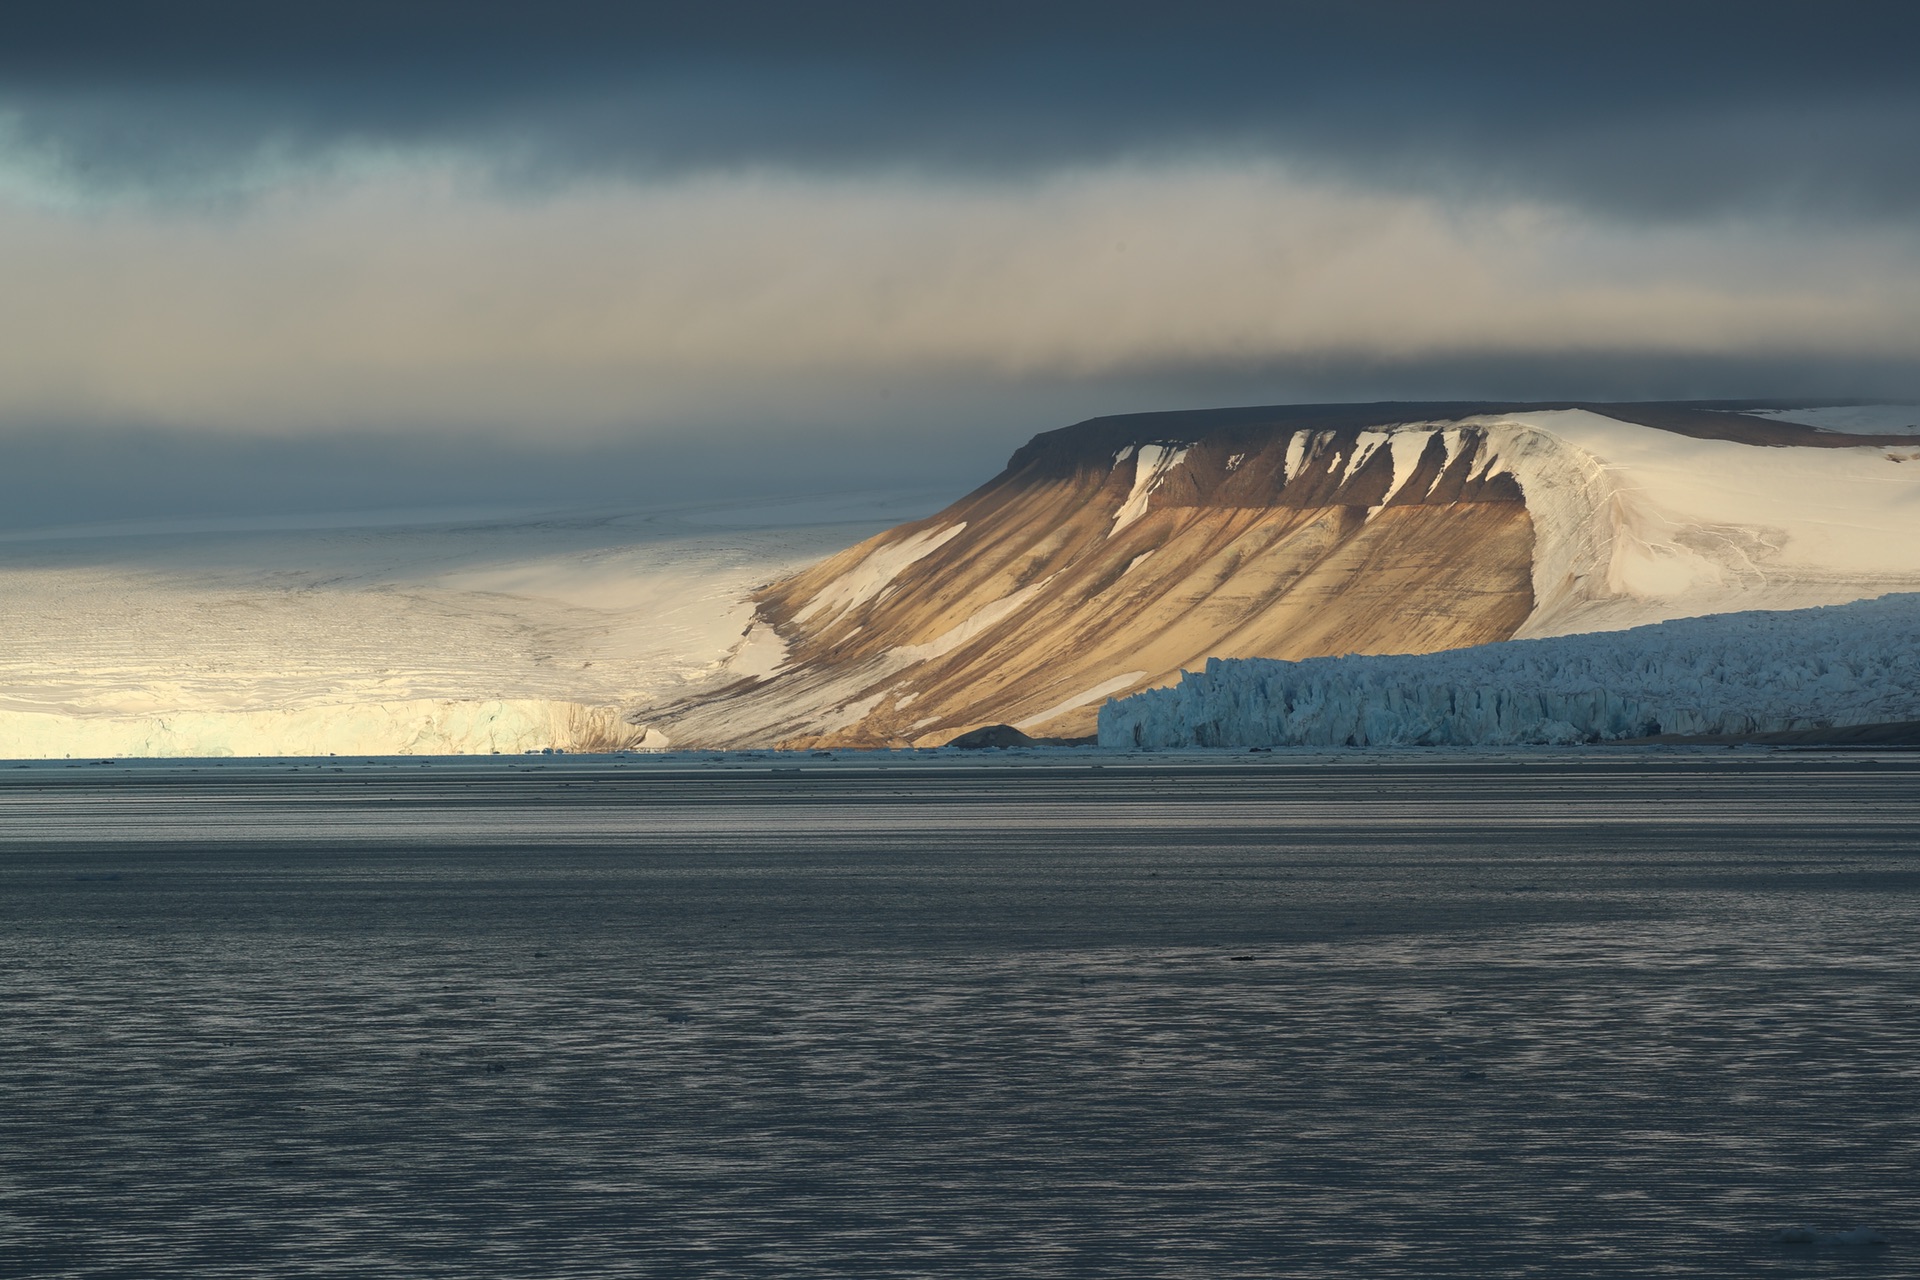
(1738, 673)
(395, 633)
(419, 726)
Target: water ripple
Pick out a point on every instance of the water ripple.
(1417, 1019)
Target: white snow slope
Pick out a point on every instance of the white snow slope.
(1634, 525)
(395, 636)
(1735, 673)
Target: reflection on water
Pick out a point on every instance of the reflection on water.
(1216, 1017)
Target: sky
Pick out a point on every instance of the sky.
(264, 257)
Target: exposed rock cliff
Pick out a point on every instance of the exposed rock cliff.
(1110, 555)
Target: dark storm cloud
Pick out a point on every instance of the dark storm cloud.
(1654, 108)
(380, 253)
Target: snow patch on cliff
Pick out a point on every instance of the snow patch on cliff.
(1364, 447)
(1406, 460)
(1081, 699)
(1729, 674)
(877, 571)
(1150, 468)
(974, 625)
(1296, 456)
(761, 653)
(1403, 453)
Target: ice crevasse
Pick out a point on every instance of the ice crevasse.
(1753, 672)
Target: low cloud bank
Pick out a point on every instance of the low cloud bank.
(395, 297)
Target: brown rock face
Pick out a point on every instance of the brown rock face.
(1110, 555)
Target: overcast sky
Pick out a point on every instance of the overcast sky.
(368, 253)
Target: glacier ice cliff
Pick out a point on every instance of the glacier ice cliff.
(1736, 673)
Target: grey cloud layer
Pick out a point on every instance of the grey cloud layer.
(419, 297)
(277, 254)
(1652, 109)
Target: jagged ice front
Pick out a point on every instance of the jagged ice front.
(1739, 673)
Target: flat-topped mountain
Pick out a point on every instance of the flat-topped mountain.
(1109, 556)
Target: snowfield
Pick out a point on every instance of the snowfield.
(1866, 419)
(1728, 674)
(397, 635)
(418, 727)
(1634, 525)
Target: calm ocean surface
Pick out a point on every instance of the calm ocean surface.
(1061, 1014)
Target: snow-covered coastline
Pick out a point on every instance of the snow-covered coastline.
(1739, 673)
(416, 727)
(436, 634)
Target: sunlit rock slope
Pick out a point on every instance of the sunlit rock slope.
(1110, 555)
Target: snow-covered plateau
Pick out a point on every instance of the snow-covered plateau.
(1731, 674)
(1635, 525)
(392, 634)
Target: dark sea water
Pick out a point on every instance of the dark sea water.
(1060, 1014)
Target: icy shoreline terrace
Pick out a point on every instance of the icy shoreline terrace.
(1739, 673)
